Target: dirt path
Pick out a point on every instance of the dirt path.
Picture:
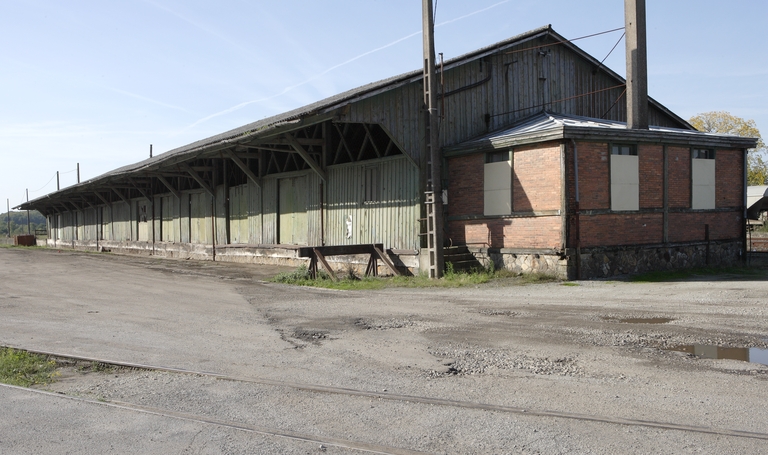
(564, 368)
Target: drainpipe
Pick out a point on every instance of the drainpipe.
(576, 221)
(744, 212)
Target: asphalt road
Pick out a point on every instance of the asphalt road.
(499, 368)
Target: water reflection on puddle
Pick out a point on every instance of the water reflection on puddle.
(639, 320)
(754, 355)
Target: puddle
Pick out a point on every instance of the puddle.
(753, 355)
(639, 320)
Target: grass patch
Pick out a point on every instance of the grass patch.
(24, 369)
(687, 274)
(570, 283)
(451, 279)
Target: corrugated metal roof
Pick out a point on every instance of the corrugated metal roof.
(263, 127)
(550, 126)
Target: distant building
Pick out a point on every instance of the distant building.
(541, 175)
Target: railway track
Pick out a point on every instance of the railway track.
(369, 394)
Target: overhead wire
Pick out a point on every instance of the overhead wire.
(596, 69)
(561, 100)
(566, 41)
(49, 181)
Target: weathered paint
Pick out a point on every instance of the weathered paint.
(391, 220)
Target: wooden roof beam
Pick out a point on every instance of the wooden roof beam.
(244, 168)
(169, 186)
(140, 190)
(103, 199)
(120, 195)
(198, 179)
(300, 150)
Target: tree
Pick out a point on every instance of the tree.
(726, 123)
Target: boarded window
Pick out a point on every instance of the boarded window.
(497, 184)
(625, 178)
(703, 179)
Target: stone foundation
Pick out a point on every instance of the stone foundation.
(523, 261)
(609, 262)
(285, 255)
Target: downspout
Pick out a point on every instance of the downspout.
(576, 220)
(744, 211)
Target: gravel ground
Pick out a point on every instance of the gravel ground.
(567, 362)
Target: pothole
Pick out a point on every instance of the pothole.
(752, 355)
(311, 336)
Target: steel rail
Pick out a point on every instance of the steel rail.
(424, 400)
(280, 433)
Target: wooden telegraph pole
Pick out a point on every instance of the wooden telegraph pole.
(434, 192)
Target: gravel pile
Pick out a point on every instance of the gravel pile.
(468, 361)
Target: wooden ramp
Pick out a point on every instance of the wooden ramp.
(319, 253)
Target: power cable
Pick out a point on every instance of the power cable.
(611, 52)
(566, 41)
(561, 100)
(49, 181)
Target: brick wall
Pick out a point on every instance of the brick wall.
(594, 176)
(651, 163)
(465, 185)
(527, 232)
(621, 229)
(536, 178)
(679, 177)
(688, 227)
(536, 187)
(729, 178)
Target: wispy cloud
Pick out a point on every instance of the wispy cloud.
(471, 14)
(149, 100)
(202, 27)
(335, 67)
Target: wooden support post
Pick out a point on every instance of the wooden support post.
(386, 260)
(327, 267)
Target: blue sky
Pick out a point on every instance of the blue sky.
(95, 82)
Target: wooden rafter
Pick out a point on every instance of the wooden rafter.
(342, 143)
(139, 189)
(170, 187)
(103, 199)
(369, 137)
(197, 178)
(244, 168)
(120, 195)
(307, 158)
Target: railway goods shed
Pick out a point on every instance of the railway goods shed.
(540, 173)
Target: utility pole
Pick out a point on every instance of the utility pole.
(78, 172)
(58, 187)
(8, 216)
(637, 65)
(434, 193)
